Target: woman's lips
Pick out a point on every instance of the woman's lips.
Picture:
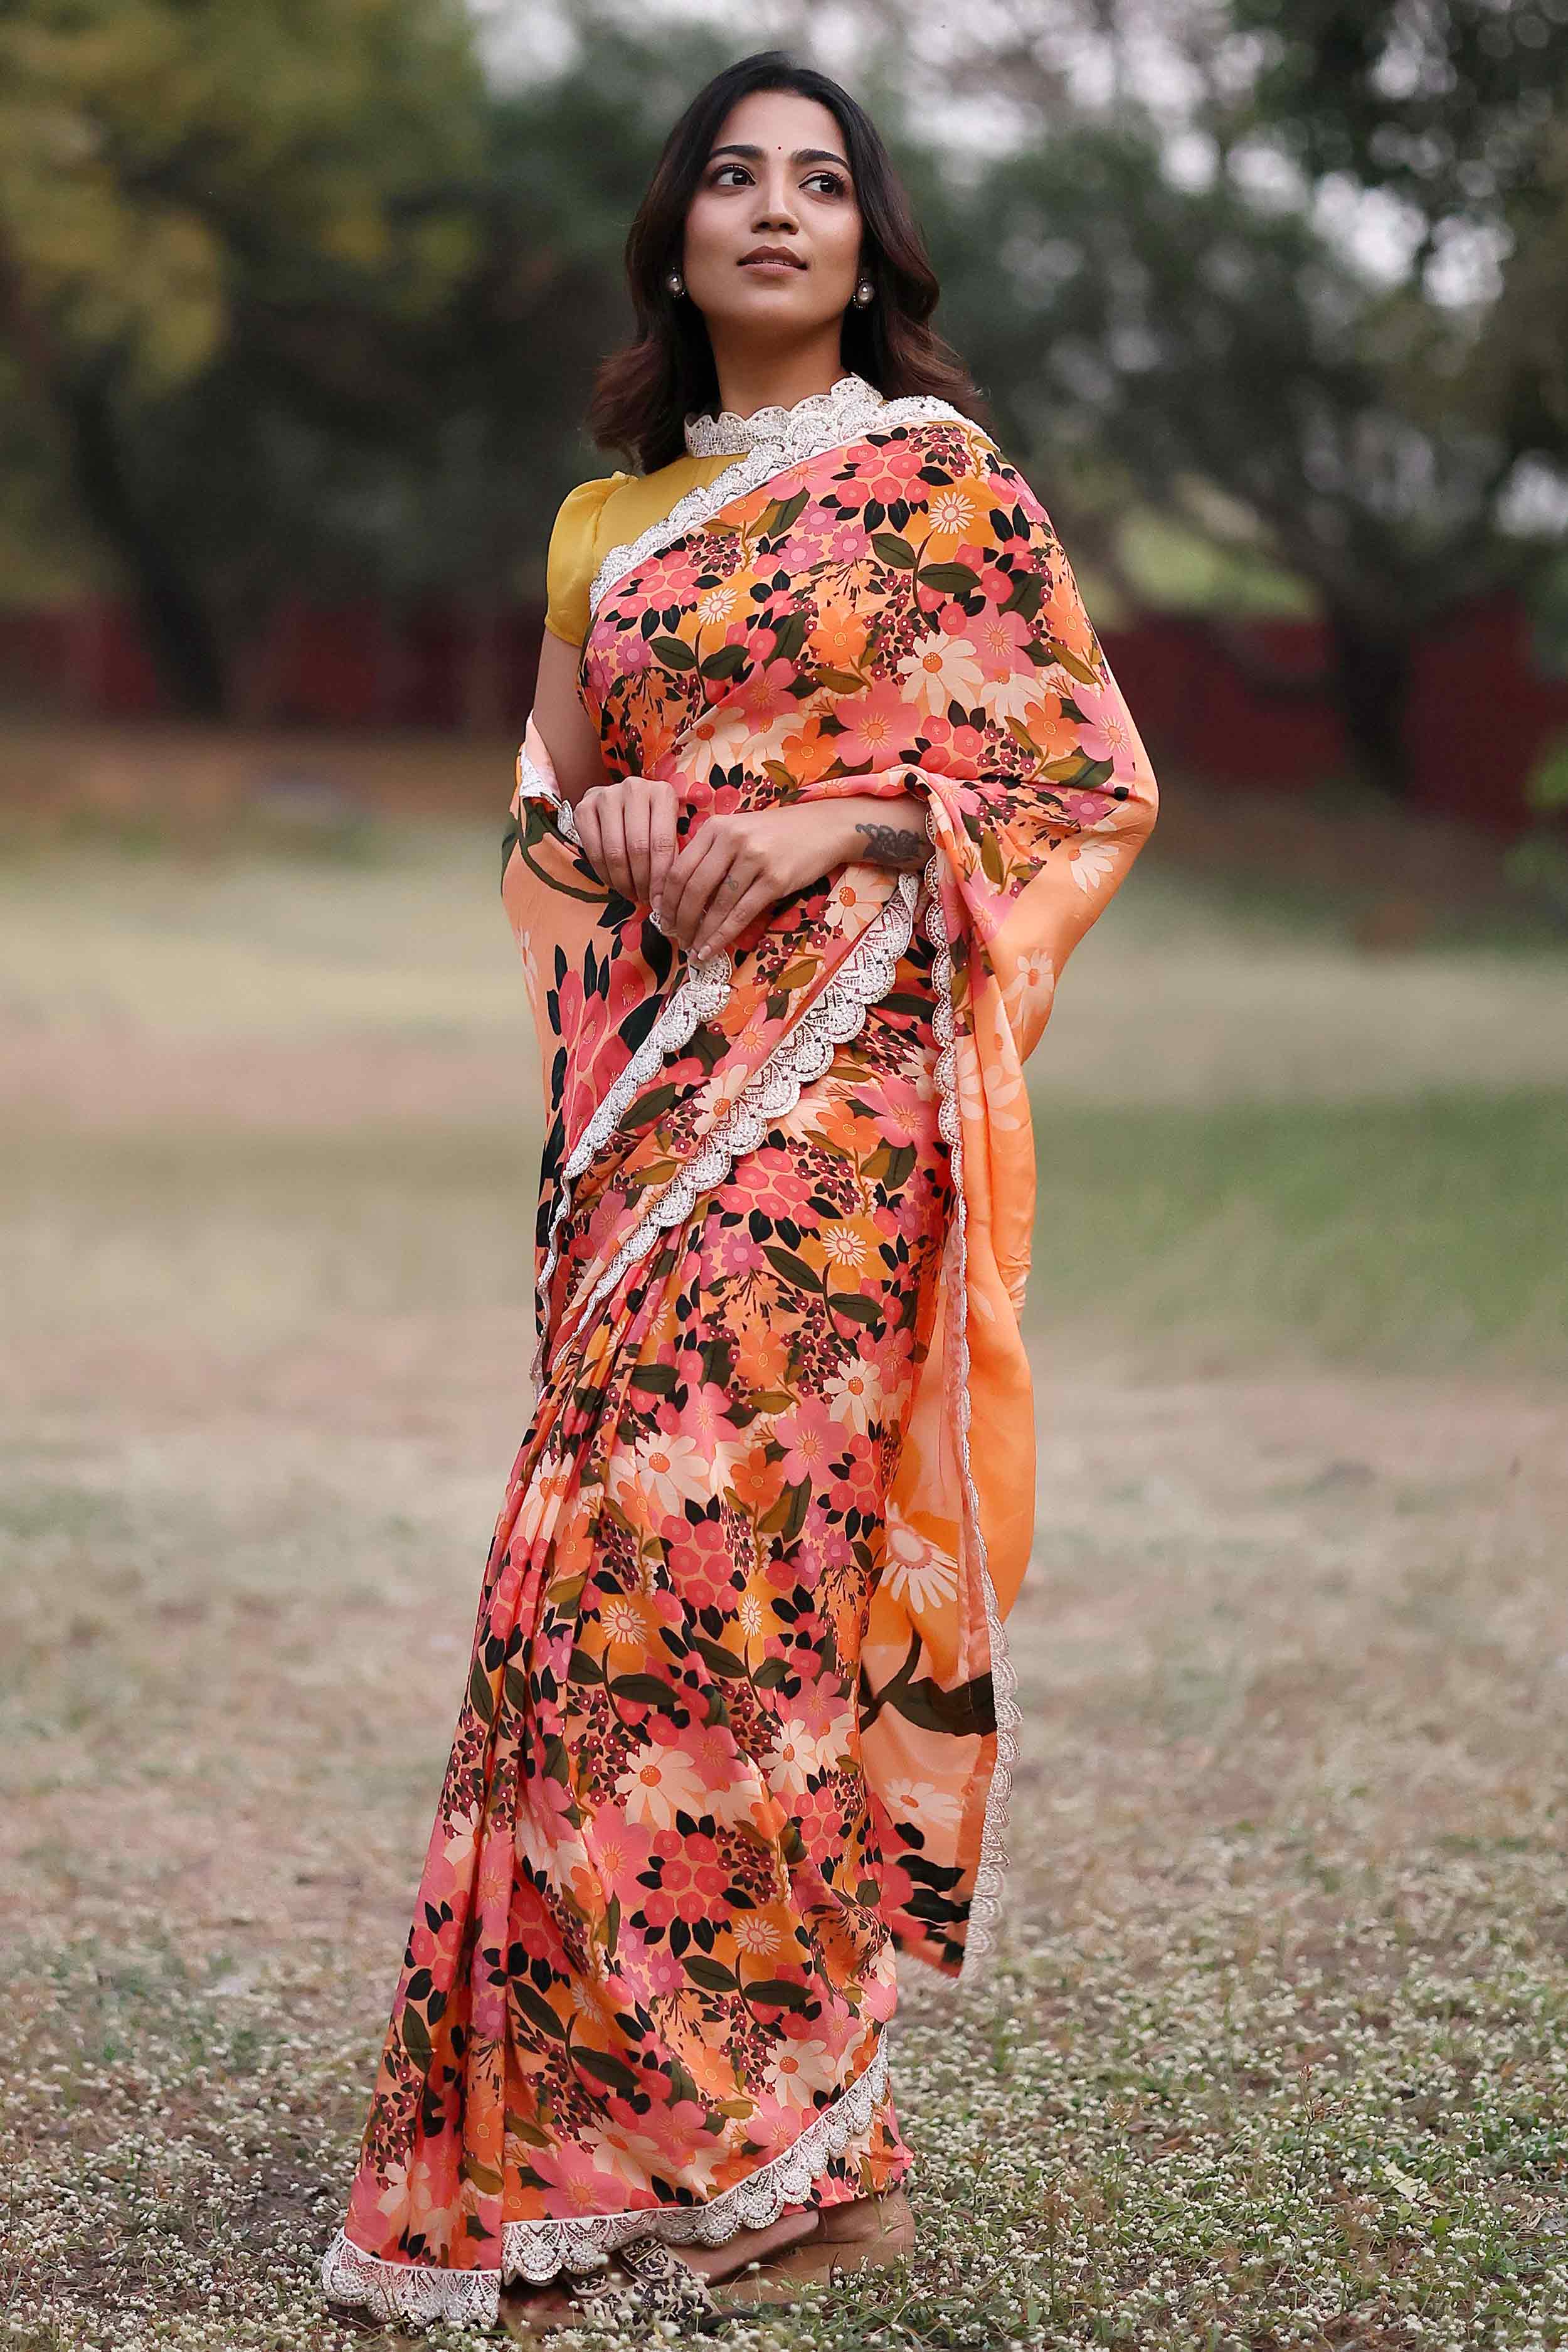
(775, 268)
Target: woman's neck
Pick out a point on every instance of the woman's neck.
(748, 381)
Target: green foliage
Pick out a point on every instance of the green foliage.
(227, 239)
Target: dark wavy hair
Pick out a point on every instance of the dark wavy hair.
(642, 393)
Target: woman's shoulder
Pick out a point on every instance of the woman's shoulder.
(599, 515)
(572, 555)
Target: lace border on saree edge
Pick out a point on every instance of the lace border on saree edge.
(535, 2250)
(837, 1015)
(991, 1873)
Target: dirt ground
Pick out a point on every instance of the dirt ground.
(1277, 2051)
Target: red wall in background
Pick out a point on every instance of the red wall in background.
(1480, 710)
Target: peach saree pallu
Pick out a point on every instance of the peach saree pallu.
(739, 1721)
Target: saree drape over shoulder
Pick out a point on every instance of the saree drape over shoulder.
(739, 1721)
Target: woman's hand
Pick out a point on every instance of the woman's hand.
(627, 830)
(734, 867)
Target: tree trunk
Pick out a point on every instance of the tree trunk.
(1370, 678)
(181, 639)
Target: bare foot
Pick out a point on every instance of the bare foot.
(866, 2233)
(883, 2226)
(750, 2245)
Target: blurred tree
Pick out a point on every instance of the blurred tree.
(229, 237)
(1292, 272)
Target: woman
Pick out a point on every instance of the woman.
(825, 776)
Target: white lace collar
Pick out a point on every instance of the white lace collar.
(776, 439)
(840, 412)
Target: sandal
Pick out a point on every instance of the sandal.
(660, 2286)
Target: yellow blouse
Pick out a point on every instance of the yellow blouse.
(600, 515)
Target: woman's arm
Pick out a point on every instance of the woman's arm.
(571, 736)
(625, 824)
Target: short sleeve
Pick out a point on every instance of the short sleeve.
(574, 557)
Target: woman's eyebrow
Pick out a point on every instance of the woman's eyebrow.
(801, 154)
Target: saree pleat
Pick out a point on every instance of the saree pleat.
(739, 1719)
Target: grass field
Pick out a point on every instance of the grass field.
(1276, 2051)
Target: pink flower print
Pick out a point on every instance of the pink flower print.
(707, 1405)
(879, 726)
(999, 639)
(672, 578)
(630, 652)
(735, 1252)
(949, 742)
(701, 1562)
(819, 1812)
(892, 472)
(846, 498)
(854, 1485)
(692, 1867)
(995, 584)
(1104, 732)
(844, 543)
(619, 1849)
(541, 1826)
(635, 2155)
(810, 1439)
(660, 1970)
(574, 2172)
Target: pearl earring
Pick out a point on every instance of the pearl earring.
(865, 292)
(676, 283)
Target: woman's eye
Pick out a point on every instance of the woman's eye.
(832, 183)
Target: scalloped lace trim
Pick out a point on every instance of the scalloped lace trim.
(728, 434)
(838, 1014)
(703, 991)
(991, 1873)
(535, 785)
(423, 2296)
(825, 420)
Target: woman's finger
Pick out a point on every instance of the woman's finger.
(635, 820)
(586, 814)
(612, 845)
(661, 842)
(742, 878)
(685, 890)
(715, 889)
(723, 925)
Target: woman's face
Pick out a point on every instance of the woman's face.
(777, 175)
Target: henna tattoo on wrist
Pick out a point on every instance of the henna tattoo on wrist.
(893, 846)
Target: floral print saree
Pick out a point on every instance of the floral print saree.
(739, 1720)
